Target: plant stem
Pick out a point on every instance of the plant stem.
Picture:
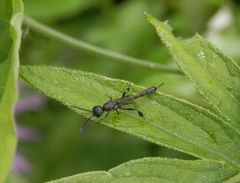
(81, 45)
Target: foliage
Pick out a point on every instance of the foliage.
(168, 121)
(157, 170)
(215, 75)
(194, 128)
(10, 34)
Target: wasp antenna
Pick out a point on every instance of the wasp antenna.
(85, 123)
(81, 108)
(160, 85)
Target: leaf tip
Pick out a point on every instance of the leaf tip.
(148, 16)
(159, 25)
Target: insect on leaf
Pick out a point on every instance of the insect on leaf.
(167, 121)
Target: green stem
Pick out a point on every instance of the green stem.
(43, 29)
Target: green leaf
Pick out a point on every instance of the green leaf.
(157, 170)
(168, 121)
(215, 75)
(11, 13)
(234, 179)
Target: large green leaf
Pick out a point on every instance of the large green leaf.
(11, 13)
(168, 121)
(157, 170)
(215, 75)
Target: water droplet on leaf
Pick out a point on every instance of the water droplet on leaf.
(76, 79)
(127, 174)
(201, 55)
(168, 44)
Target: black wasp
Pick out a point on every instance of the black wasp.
(119, 104)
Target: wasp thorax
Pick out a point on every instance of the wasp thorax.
(109, 106)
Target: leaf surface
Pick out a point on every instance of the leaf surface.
(11, 13)
(168, 121)
(157, 170)
(215, 75)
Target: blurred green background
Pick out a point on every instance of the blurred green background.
(50, 143)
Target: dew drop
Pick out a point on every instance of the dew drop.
(181, 39)
(166, 22)
(127, 174)
(75, 79)
(214, 56)
(201, 55)
(160, 32)
(168, 44)
(212, 64)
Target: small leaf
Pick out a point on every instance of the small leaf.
(215, 75)
(11, 13)
(168, 121)
(157, 170)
